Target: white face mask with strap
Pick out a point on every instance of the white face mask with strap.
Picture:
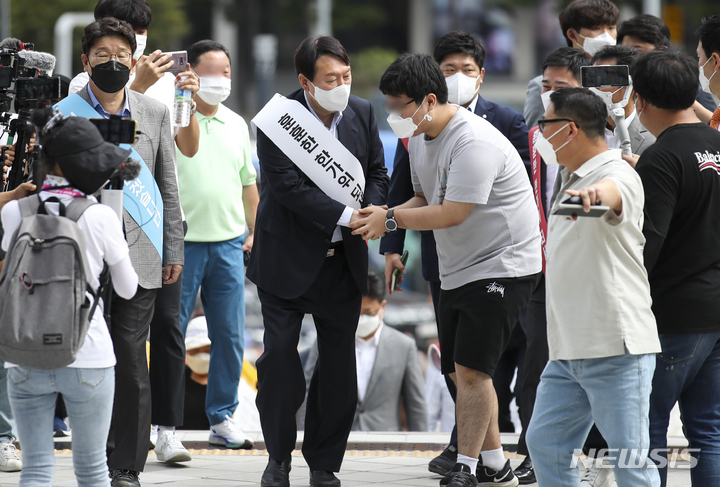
(591, 45)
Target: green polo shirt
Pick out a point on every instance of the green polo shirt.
(211, 183)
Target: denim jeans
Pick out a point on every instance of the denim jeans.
(688, 372)
(614, 392)
(7, 423)
(88, 396)
(218, 270)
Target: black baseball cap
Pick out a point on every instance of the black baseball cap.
(85, 159)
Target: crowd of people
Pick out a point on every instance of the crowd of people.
(585, 225)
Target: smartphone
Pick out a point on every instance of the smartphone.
(604, 75)
(40, 88)
(117, 130)
(571, 207)
(396, 273)
(246, 257)
(180, 61)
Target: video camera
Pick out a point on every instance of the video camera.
(26, 82)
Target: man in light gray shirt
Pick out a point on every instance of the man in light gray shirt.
(472, 190)
(602, 334)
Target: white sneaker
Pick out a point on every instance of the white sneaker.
(598, 474)
(169, 448)
(229, 435)
(153, 436)
(9, 461)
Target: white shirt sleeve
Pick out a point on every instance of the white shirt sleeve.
(11, 218)
(78, 82)
(344, 220)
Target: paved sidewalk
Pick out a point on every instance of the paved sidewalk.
(221, 468)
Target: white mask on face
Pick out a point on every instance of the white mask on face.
(546, 98)
(704, 80)
(367, 324)
(461, 88)
(606, 96)
(141, 44)
(545, 148)
(591, 45)
(214, 89)
(199, 363)
(334, 100)
(405, 127)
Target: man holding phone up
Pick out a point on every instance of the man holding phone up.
(602, 336)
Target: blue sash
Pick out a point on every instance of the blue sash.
(141, 197)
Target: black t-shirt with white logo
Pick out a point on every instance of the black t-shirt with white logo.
(681, 177)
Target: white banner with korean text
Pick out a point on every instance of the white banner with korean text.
(313, 149)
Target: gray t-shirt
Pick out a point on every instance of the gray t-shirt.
(472, 162)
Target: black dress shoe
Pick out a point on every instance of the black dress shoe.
(124, 478)
(443, 463)
(276, 474)
(525, 473)
(322, 478)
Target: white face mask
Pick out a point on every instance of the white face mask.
(591, 45)
(546, 98)
(461, 88)
(214, 89)
(704, 80)
(141, 44)
(405, 127)
(367, 325)
(606, 96)
(545, 148)
(335, 100)
(199, 363)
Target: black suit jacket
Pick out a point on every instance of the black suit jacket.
(295, 219)
(508, 121)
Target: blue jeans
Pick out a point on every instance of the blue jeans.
(7, 423)
(614, 392)
(218, 270)
(88, 396)
(688, 372)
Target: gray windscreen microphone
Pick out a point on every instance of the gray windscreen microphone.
(43, 61)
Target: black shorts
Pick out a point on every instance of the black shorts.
(477, 319)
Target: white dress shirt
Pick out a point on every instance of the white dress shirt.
(365, 353)
(347, 213)
(612, 138)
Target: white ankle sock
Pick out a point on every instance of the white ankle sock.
(494, 459)
(469, 461)
(166, 428)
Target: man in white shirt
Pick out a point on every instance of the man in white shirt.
(602, 335)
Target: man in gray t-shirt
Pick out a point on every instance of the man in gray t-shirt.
(472, 190)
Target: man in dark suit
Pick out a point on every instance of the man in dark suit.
(104, 41)
(305, 260)
(461, 58)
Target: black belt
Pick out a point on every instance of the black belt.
(335, 248)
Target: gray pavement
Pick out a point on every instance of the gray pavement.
(220, 468)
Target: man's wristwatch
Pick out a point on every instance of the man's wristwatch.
(193, 108)
(390, 222)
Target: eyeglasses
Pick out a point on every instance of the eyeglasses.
(544, 122)
(392, 109)
(122, 57)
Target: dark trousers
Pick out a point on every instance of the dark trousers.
(536, 358)
(167, 357)
(334, 302)
(129, 438)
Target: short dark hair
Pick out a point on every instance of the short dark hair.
(376, 287)
(647, 28)
(201, 47)
(587, 14)
(709, 34)
(584, 107)
(415, 75)
(622, 55)
(311, 49)
(137, 13)
(105, 27)
(460, 42)
(667, 79)
(567, 57)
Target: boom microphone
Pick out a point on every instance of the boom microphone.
(10, 43)
(39, 60)
(127, 171)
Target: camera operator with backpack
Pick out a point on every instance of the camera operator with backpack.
(59, 242)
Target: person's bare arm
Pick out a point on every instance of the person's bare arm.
(250, 199)
(605, 191)
(702, 113)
